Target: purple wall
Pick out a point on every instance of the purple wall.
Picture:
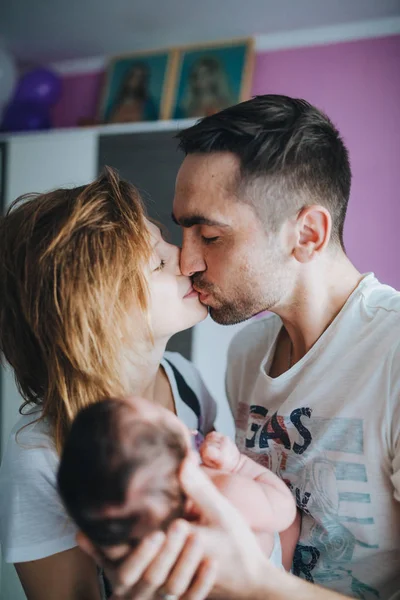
(358, 85)
(79, 100)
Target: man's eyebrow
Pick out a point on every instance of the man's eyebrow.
(196, 220)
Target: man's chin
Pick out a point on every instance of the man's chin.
(227, 315)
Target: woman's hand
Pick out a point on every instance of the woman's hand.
(173, 563)
(190, 560)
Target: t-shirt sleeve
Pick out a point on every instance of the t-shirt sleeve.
(394, 423)
(33, 521)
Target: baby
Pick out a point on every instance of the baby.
(119, 478)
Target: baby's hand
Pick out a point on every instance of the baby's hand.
(219, 452)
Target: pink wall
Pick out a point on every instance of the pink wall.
(358, 85)
(80, 99)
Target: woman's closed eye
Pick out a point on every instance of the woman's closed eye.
(161, 265)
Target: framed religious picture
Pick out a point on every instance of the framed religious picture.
(135, 87)
(211, 77)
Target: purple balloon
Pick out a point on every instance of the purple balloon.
(26, 116)
(40, 85)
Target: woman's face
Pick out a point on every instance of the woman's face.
(174, 305)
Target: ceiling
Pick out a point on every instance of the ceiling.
(52, 30)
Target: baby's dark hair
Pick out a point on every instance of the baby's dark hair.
(103, 452)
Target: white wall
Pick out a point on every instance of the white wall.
(209, 353)
(38, 163)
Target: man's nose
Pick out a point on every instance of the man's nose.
(192, 260)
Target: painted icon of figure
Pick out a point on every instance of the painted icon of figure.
(134, 102)
(207, 90)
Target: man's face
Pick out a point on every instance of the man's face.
(238, 268)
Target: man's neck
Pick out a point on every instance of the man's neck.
(316, 301)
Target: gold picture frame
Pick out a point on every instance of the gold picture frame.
(137, 87)
(206, 78)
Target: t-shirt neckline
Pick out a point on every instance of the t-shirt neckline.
(319, 344)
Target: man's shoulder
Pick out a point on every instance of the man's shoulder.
(380, 297)
(255, 338)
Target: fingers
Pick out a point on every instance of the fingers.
(132, 569)
(174, 562)
(219, 452)
(177, 539)
(148, 568)
(202, 583)
(210, 450)
(185, 568)
(211, 456)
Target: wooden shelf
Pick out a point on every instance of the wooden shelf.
(112, 129)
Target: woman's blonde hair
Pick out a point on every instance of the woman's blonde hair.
(72, 265)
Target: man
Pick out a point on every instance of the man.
(315, 390)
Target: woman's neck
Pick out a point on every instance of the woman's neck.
(146, 377)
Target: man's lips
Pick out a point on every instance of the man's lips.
(202, 293)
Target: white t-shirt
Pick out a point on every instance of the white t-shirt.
(33, 521)
(330, 427)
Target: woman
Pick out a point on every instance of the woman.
(90, 293)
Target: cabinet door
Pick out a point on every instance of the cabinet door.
(38, 163)
(151, 162)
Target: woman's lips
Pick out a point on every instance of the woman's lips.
(191, 293)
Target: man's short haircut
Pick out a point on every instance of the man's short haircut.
(290, 153)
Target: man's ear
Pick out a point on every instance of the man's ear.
(313, 232)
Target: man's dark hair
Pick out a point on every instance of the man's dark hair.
(290, 153)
